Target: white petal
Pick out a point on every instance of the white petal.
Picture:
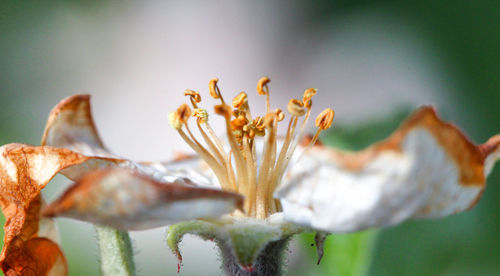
(426, 169)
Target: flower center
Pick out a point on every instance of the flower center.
(241, 169)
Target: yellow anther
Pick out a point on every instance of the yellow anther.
(184, 112)
(201, 114)
(259, 123)
(308, 104)
(251, 133)
(240, 100)
(239, 122)
(296, 107)
(325, 119)
(238, 135)
(195, 96)
(178, 118)
(308, 94)
(262, 88)
(269, 119)
(213, 88)
(279, 113)
(174, 121)
(224, 110)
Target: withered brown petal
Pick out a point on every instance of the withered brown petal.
(70, 125)
(126, 200)
(425, 169)
(21, 180)
(24, 172)
(36, 256)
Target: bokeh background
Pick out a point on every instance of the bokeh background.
(372, 61)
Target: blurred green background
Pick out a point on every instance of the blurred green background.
(372, 60)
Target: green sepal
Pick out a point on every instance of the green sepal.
(247, 240)
(244, 238)
(176, 232)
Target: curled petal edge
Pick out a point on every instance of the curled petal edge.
(127, 200)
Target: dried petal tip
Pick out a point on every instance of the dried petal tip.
(240, 100)
(296, 107)
(491, 152)
(325, 119)
(262, 88)
(213, 89)
(70, 119)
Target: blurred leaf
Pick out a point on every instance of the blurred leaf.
(347, 254)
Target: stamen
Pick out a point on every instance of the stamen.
(184, 112)
(296, 107)
(239, 122)
(226, 159)
(267, 164)
(174, 121)
(243, 175)
(220, 154)
(201, 114)
(263, 89)
(279, 169)
(252, 177)
(214, 89)
(325, 119)
(240, 100)
(301, 131)
(207, 157)
(323, 122)
(209, 135)
(308, 94)
(225, 111)
(221, 175)
(279, 114)
(193, 96)
(180, 116)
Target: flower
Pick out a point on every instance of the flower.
(31, 242)
(248, 199)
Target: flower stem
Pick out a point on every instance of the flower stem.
(116, 252)
(269, 261)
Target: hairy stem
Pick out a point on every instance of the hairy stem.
(116, 252)
(269, 261)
